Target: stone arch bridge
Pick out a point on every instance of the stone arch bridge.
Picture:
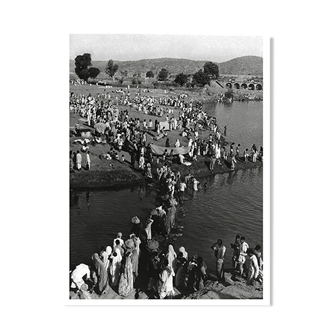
(242, 85)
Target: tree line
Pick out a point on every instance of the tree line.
(85, 70)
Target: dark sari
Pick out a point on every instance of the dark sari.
(101, 273)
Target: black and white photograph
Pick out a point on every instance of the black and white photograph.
(166, 156)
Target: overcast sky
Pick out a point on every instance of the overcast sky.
(136, 47)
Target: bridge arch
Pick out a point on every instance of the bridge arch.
(244, 86)
(251, 86)
(229, 85)
(259, 87)
(236, 86)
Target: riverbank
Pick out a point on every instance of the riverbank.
(123, 175)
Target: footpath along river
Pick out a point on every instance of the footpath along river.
(232, 203)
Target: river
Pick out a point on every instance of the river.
(232, 203)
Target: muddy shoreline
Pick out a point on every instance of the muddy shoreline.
(124, 178)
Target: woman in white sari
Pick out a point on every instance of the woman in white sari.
(115, 267)
(106, 261)
(171, 257)
(165, 281)
(185, 254)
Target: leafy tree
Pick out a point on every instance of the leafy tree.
(211, 69)
(162, 74)
(201, 78)
(181, 79)
(136, 81)
(84, 74)
(82, 62)
(111, 68)
(93, 72)
(150, 74)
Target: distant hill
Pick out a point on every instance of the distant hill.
(239, 66)
(243, 65)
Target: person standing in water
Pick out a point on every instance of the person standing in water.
(219, 253)
(212, 162)
(253, 269)
(195, 184)
(243, 254)
(236, 251)
(233, 162)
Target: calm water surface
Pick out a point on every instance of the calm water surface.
(232, 204)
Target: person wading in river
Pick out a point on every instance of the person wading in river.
(236, 251)
(212, 162)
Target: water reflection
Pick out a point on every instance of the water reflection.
(149, 188)
(260, 171)
(140, 193)
(243, 175)
(87, 200)
(230, 178)
(75, 201)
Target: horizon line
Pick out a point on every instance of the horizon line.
(243, 56)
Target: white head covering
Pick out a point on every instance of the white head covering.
(171, 256)
(185, 254)
(108, 250)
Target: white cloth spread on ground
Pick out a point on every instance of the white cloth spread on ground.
(164, 124)
(159, 150)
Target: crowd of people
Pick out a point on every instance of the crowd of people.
(147, 259)
(114, 127)
(141, 263)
